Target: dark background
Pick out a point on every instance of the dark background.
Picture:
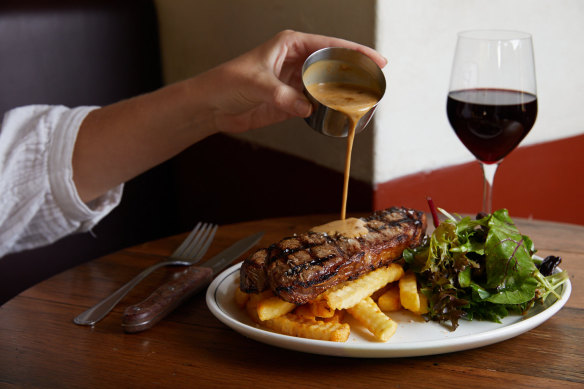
(99, 52)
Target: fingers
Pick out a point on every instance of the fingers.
(287, 98)
(265, 83)
(292, 48)
(306, 44)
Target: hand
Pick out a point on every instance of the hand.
(264, 85)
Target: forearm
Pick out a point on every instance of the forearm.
(120, 141)
(261, 87)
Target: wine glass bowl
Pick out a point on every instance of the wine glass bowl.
(491, 122)
(492, 99)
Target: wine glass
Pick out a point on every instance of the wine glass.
(492, 99)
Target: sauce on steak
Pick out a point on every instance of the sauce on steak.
(301, 267)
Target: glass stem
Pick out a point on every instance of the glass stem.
(489, 171)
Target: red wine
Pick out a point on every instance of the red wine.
(491, 122)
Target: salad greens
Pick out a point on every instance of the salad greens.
(480, 269)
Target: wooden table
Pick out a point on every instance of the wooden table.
(41, 347)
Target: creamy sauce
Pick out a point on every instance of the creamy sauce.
(352, 100)
(349, 228)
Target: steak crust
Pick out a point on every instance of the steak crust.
(301, 267)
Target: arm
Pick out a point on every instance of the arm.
(261, 87)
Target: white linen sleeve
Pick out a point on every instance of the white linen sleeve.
(39, 203)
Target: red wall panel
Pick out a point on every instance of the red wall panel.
(543, 181)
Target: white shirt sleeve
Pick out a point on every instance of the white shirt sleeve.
(39, 203)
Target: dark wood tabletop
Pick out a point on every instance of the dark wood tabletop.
(40, 346)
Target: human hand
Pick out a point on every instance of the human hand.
(261, 87)
(264, 85)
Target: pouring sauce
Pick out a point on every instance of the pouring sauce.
(349, 228)
(354, 101)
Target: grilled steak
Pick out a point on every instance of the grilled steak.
(301, 267)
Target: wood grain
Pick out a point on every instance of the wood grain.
(41, 347)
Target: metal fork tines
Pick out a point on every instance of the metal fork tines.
(190, 251)
(196, 243)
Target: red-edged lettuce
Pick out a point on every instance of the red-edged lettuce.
(479, 269)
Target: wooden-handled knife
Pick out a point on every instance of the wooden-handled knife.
(167, 297)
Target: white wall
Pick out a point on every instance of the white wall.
(410, 132)
(419, 39)
(196, 35)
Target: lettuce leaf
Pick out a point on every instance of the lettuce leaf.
(479, 269)
(508, 261)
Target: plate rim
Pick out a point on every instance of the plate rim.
(376, 349)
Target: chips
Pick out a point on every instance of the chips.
(295, 325)
(389, 301)
(273, 307)
(352, 292)
(408, 292)
(369, 314)
(318, 308)
(323, 318)
(423, 304)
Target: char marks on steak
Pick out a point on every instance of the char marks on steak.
(301, 267)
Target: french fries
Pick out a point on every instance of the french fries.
(423, 304)
(408, 292)
(251, 306)
(273, 307)
(323, 318)
(318, 308)
(352, 292)
(389, 301)
(410, 297)
(295, 325)
(337, 317)
(369, 314)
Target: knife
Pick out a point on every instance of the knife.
(168, 296)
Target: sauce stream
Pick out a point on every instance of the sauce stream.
(354, 101)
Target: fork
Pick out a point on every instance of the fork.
(190, 251)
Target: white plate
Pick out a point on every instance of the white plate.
(414, 336)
